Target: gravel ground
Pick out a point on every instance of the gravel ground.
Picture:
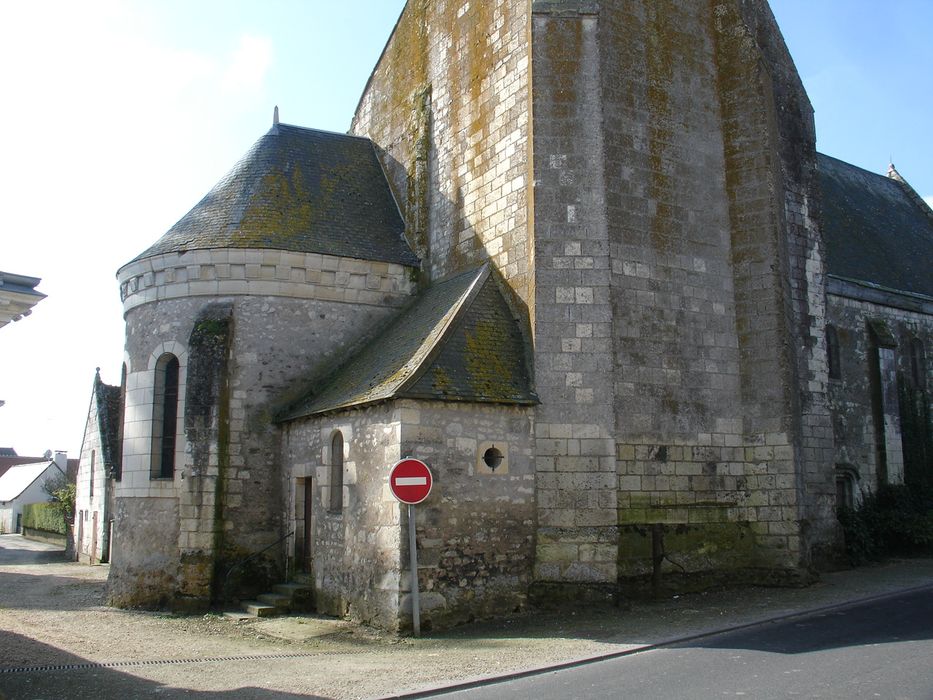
(51, 615)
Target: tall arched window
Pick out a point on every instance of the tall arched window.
(164, 417)
(918, 369)
(116, 469)
(832, 353)
(336, 473)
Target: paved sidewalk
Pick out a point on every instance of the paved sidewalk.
(58, 640)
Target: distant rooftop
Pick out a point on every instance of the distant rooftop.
(19, 477)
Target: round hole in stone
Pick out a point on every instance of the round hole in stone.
(492, 457)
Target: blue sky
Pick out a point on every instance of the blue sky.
(119, 115)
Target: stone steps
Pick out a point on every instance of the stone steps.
(285, 598)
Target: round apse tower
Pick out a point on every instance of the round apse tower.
(292, 257)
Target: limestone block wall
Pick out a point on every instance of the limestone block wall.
(287, 319)
(356, 551)
(574, 373)
(448, 104)
(679, 283)
(237, 272)
(801, 254)
(880, 400)
(476, 530)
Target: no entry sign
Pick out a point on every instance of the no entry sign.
(410, 481)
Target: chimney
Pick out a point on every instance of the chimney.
(61, 461)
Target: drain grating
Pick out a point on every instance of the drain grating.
(172, 662)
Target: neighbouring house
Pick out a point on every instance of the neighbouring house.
(584, 260)
(22, 484)
(98, 470)
(9, 458)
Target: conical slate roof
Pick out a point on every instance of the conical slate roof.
(299, 190)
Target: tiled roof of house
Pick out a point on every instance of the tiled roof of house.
(458, 341)
(299, 190)
(21, 476)
(875, 231)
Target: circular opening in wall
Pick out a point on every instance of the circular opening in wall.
(492, 458)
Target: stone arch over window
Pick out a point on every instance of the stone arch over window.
(164, 417)
(336, 473)
(832, 353)
(847, 491)
(918, 367)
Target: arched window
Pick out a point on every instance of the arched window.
(116, 468)
(164, 417)
(832, 353)
(846, 486)
(336, 473)
(918, 369)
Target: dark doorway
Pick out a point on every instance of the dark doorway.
(306, 555)
(93, 553)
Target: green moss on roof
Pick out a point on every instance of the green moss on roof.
(107, 400)
(458, 341)
(299, 190)
(874, 231)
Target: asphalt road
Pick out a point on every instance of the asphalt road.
(58, 640)
(18, 550)
(880, 649)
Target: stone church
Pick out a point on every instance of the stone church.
(583, 259)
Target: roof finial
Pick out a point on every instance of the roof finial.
(275, 116)
(893, 174)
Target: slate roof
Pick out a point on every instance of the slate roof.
(875, 231)
(299, 190)
(108, 423)
(458, 341)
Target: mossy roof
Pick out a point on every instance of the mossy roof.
(457, 341)
(108, 422)
(299, 190)
(875, 231)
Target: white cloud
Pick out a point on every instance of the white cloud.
(249, 64)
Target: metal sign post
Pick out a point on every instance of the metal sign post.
(410, 482)
(413, 564)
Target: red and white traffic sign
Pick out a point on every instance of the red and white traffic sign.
(410, 481)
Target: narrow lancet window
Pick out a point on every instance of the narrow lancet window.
(164, 417)
(336, 473)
